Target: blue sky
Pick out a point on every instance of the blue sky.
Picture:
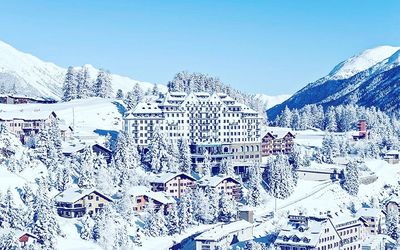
(273, 47)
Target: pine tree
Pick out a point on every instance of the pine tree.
(392, 224)
(330, 120)
(120, 94)
(155, 91)
(125, 159)
(207, 165)
(45, 224)
(157, 157)
(173, 221)
(154, 222)
(201, 206)
(254, 186)
(63, 179)
(351, 181)
(83, 83)
(226, 167)
(9, 241)
(70, 85)
(330, 148)
(102, 86)
(86, 173)
(286, 118)
(87, 228)
(185, 158)
(173, 157)
(279, 177)
(134, 97)
(227, 208)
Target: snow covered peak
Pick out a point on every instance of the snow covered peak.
(395, 58)
(34, 77)
(361, 62)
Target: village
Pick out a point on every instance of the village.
(226, 141)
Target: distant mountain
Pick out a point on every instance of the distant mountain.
(368, 79)
(34, 77)
(271, 101)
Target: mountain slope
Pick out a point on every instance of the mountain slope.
(32, 76)
(361, 79)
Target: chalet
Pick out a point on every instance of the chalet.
(26, 124)
(76, 202)
(304, 232)
(392, 156)
(69, 148)
(226, 184)
(279, 142)
(20, 99)
(223, 236)
(374, 218)
(174, 184)
(26, 238)
(66, 132)
(362, 131)
(351, 229)
(379, 242)
(142, 197)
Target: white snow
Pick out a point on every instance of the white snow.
(361, 62)
(271, 101)
(35, 77)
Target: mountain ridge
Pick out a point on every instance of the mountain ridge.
(354, 86)
(34, 77)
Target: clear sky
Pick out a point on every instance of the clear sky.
(273, 47)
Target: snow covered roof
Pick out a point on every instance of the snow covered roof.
(302, 235)
(202, 94)
(146, 108)
(392, 152)
(215, 180)
(161, 197)
(343, 220)
(68, 148)
(280, 133)
(369, 212)
(221, 231)
(26, 115)
(176, 93)
(165, 177)
(73, 194)
(18, 233)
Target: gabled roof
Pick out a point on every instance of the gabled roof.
(369, 212)
(165, 177)
(215, 180)
(392, 152)
(304, 235)
(161, 197)
(221, 231)
(279, 134)
(74, 194)
(146, 108)
(26, 115)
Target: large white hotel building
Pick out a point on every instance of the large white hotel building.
(213, 122)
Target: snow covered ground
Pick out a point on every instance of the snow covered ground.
(87, 115)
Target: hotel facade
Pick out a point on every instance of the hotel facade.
(213, 122)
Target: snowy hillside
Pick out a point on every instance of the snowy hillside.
(368, 79)
(32, 76)
(361, 62)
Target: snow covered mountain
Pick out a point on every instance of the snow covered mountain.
(271, 101)
(368, 79)
(32, 76)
